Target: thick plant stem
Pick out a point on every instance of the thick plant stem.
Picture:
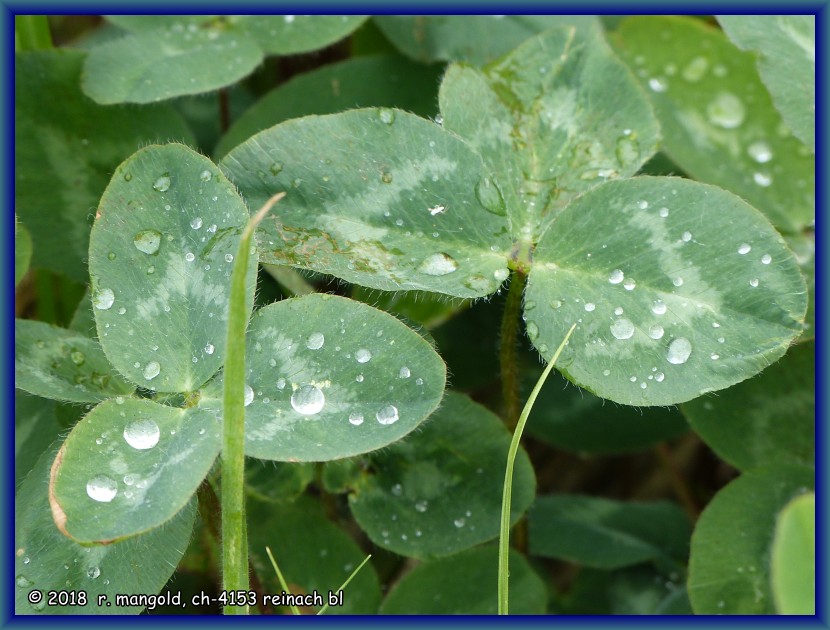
(31, 32)
(234, 535)
(508, 359)
(507, 493)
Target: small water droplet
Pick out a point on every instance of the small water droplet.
(397, 489)
(619, 310)
(249, 395)
(189, 257)
(404, 373)
(162, 184)
(490, 197)
(359, 378)
(196, 223)
(421, 506)
(102, 489)
(386, 177)
(111, 256)
(678, 281)
(128, 177)
(659, 377)
(622, 329)
(642, 204)
(501, 275)
(766, 259)
(532, 330)
(93, 572)
(103, 299)
(658, 308)
(687, 236)
(362, 355)
(315, 341)
(228, 257)
(606, 372)
(281, 383)
(459, 522)
(419, 381)
(663, 212)
(209, 348)
(658, 84)
(151, 370)
(590, 306)
(655, 331)
(439, 264)
(744, 248)
(679, 351)
(387, 116)
(726, 110)
(308, 400)
(387, 415)
(760, 152)
(77, 357)
(616, 276)
(754, 282)
(714, 356)
(762, 179)
(356, 418)
(142, 434)
(630, 284)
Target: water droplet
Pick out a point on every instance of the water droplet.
(678, 281)
(151, 370)
(439, 120)
(209, 348)
(93, 572)
(23, 582)
(359, 378)
(630, 284)
(696, 69)
(387, 116)
(281, 383)
(501, 275)
(655, 331)
(419, 381)
(142, 434)
(744, 248)
(356, 418)
(679, 351)
(616, 276)
(622, 329)
(754, 282)
(421, 506)
(387, 415)
(439, 264)
(128, 177)
(101, 488)
(659, 377)
(189, 257)
(760, 152)
(103, 299)
(762, 179)
(618, 310)
(715, 325)
(766, 259)
(362, 355)
(228, 257)
(397, 489)
(590, 306)
(111, 256)
(404, 373)
(205, 176)
(249, 395)
(386, 177)
(77, 357)
(162, 184)
(308, 400)
(477, 283)
(663, 212)
(726, 110)
(659, 307)
(315, 341)
(196, 223)
(532, 330)
(642, 204)
(658, 84)
(687, 236)
(459, 522)
(714, 356)
(490, 197)
(606, 372)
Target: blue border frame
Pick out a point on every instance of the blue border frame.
(9, 9)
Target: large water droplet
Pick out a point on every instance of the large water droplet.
(387, 415)
(616, 276)
(162, 184)
(308, 400)
(147, 241)
(760, 152)
(142, 434)
(101, 488)
(151, 370)
(622, 329)
(93, 572)
(679, 351)
(363, 355)
(356, 418)
(103, 299)
(249, 395)
(315, 341)
(490, 197)
(439, 264)
(726, 110)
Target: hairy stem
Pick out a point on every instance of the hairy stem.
(234, 535)
(507, 493)
(508, 359)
